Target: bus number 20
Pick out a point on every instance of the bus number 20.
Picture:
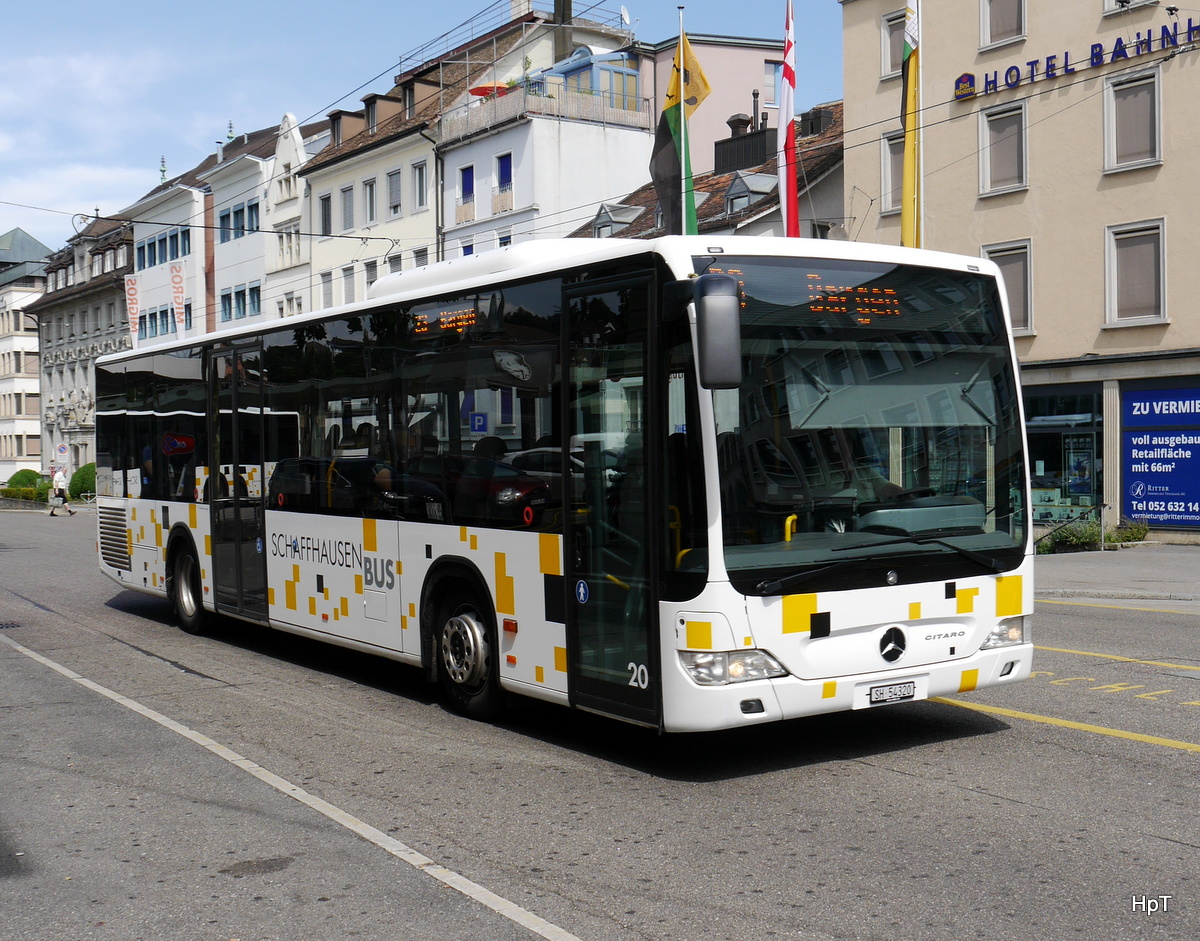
(639, 676)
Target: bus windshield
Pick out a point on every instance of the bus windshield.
(876, 430)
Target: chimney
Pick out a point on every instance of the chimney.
(739, 124)
(562, 31)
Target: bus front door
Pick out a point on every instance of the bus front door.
(612, 647)
(235, 488)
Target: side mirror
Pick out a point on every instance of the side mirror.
(718, 331)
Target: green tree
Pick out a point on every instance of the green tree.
(24, 478)
(82, 481)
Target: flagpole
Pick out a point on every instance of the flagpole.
(684, 157)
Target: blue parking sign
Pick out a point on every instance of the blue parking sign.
(479, 423)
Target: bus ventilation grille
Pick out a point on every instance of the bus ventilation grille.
(114, 538)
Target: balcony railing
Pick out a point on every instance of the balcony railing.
(464, 211)
(548, 99)
(502, 199)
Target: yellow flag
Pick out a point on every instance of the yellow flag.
(695, 85)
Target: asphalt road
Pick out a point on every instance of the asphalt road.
(251, 785)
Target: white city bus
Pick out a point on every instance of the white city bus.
(692, 483)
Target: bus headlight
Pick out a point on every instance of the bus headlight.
(721, 667)
(1009, 631)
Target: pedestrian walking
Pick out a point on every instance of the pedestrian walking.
(60, 498)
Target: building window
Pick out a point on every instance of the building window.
(772, 72)
(395, 184)
(1001, 21)
(1135, 273)
(252, 216)
(370, 272)
(394, 264)
(368, 189)
(254, 299)
(602, 230)
(1131, 123)
(173, 246)
(504, 178)
(892, 40)
(892, 176)
(187, 316)
(502, 196)
(348, 208)
(226, 305)
(140, 251)
(185, 246)
(239, 221)
(287, 183)
(504, 239)
(327, 289)
(1002, 150)
(347, 285)
(1013, 261)
(325, 205)
(468, 248)
(466, 184)
(420, 257)
(420, 178)
(225, 224)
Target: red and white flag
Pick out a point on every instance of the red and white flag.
(789, 197)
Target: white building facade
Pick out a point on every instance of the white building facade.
(80, 318)
(22, 280)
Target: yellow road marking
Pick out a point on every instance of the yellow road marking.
(1118, 607)
(1109, 656)
(1067, 724)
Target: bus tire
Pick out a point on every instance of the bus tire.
(186, 594)
(465, 651)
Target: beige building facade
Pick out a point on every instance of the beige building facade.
(1059, 140)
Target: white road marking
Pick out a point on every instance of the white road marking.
(472, 890)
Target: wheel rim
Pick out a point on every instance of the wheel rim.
(184, 582)
(464, 650)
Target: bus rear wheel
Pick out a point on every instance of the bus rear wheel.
(466, 659)
(186, 593)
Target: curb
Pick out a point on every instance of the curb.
(1119, 594)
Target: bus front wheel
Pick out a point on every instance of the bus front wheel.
(186, 593)
(466, 658)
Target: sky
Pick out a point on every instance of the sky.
(94, 96)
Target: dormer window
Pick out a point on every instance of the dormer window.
(746, 189)
(611, 218)
(370, 112)
(335, 129)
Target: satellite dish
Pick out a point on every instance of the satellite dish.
(624, 16)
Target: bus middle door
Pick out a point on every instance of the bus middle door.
(612, 634)
(236, 489)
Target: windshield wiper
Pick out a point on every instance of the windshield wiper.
(773, 586)
(937, 537)
(966, 394)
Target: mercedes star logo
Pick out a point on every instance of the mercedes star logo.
(891, 645)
